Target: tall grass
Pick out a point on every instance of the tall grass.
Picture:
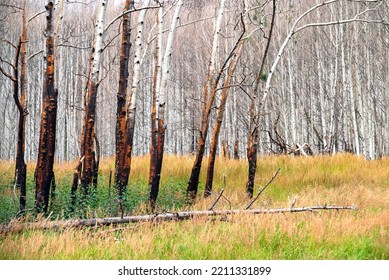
(342, 179)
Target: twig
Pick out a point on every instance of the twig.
(217, 200)
(109, 183)
(261, 190)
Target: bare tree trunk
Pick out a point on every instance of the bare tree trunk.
(219, 119)
(254, 125)
(21, 168)
(44, 168)
(153, 176)
(124, 173)
(209, 97)
(87, 142)
(121, 170)
(161, 103)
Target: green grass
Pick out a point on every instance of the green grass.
(338, 180)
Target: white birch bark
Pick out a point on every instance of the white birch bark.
(139, 40)
(166, 71)
(215, 45)
(99, 31)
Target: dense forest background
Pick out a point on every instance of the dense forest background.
(330, 89)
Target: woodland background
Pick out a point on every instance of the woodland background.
(330, 89)
(237, 78)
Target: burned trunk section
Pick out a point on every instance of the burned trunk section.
(121, 163)
(44, 169)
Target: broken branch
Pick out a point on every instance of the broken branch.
(261, 190)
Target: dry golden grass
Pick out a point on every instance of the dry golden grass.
(339, 180)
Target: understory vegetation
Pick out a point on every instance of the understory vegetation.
(333, 180)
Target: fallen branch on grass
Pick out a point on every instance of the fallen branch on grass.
(178, 216)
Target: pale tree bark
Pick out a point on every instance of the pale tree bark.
(209, 94)
(44, 168)
(131, 108)
(220, 115)
(161, 103)
(86, 169)
(153, 116)
(337, 111)
(21, 167)
(254, 121)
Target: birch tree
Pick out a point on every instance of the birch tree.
(86, 170)
(44, 173)
(157, 150)
(209, 94)
(125, 134)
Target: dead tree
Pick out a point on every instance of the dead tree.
(254, 125)
(44, 169)
(237, 50)
(20, 166)
(209, 94)
(121, 173)
(159, 100)
(87, 169)
(127, 104)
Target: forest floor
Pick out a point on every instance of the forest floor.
(324, 180)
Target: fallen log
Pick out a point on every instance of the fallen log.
(178, 216)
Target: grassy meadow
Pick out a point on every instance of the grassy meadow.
(333, 180)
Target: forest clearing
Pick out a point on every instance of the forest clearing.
(333, 180)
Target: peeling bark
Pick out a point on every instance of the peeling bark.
(44, 168)
(219, 119)
(121, 163)
(88, 170)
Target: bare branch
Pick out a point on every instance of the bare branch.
(216, 201)
(34, 54)
(11, 6)
(36, 15)
(261, 190)
(9, 43)
(127, 12)
(6, 74)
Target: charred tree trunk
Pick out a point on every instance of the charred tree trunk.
(159, 100)
(209, 97)
(123, 172)
(121, 164)
(254, 125)
(219, 119)
(88, 167)
(154, 176)
(96, 162)
(44, 169)
(20, 165)
(21, 168)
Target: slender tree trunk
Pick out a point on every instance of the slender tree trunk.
(159, 138)
(44, 169)
(254, 125)
(21, 168)
(219, 119)
(131, 108)
(88, 171)
(209, 97)
(121, 170)
(154, 128)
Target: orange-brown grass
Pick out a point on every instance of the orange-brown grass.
(338, 180)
